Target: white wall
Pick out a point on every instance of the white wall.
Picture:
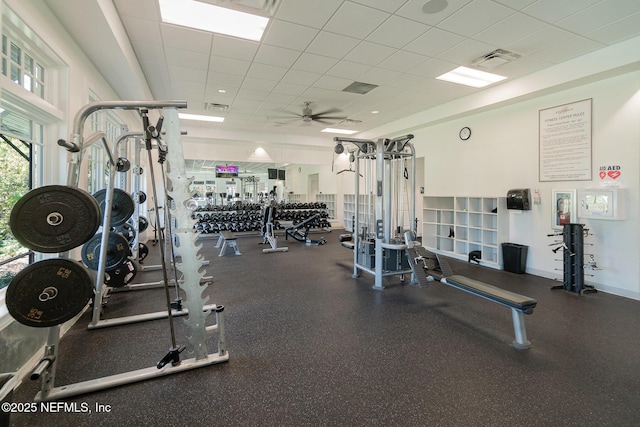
(502, 153)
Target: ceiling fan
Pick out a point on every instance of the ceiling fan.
(308, 115)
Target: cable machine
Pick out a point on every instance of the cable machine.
(387, 167)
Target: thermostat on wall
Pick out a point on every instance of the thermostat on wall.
(601, 203)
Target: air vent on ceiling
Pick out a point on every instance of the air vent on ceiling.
(349, 122)
(360, 88)
(495, 59)
(212, 106)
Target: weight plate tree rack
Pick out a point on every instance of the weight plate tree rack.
(379, 247)
(198, 331)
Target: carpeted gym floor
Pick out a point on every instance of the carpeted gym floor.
(310, 345)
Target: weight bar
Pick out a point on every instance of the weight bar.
(55, 218)
(122, 206)
(49, 292)
(117, 251)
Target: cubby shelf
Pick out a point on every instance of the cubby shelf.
(330, 201)
(456, 226)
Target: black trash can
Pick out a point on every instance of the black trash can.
(514, 257)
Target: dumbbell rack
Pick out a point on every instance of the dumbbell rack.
(248, 217)
(199, 332)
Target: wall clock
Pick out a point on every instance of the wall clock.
(465, 133)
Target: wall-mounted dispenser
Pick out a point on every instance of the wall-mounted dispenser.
(601, 203)
(519, 199)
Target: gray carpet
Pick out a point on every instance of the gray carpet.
(310, 345)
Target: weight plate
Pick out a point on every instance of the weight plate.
(143, 252)
(117, 251)
(141, 196)
(122, 206)
(143, 223)
(127, 231)
(49, 292)
(121, 276)
(55, 218)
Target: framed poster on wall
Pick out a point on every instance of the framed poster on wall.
(564, 142)
(563, 209)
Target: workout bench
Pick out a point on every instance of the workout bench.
(227, 237)
(519, 304)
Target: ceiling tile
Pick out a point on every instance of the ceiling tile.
(289, 35)
(618, 31)
(268, 72)
(148, 52)
(348, 70)
(251, 95)
(278, 56)
(378, 76)
(553, 10)
(258, 84)
(232, 47)
(386, 5)
(355, 20)
(369, 53)
(568, 49)
(403, 61)
(332, 45)
(333, 83)
(516, 25)
(598, 15)
(413, 10)
(475, 17)
(516, 4)
(299, 77)
(312, 13)
(186, 73)
(466, 52)
(432, 68)
(538, 40)
(225, 79)
(314, 63)
(229, 65)
(289, 89)
(397, 32)
(186, 58)
(184, 38)
(434, 42)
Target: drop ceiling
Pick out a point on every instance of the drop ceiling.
(313, 49)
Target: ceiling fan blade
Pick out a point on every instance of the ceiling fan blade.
(329, 111)
(322, 121)
(328, 117)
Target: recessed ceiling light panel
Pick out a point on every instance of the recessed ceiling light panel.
(215, 19)
(339, 131)
(470, 77)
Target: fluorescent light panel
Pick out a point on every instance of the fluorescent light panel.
(340, 131)
(470, 77)
(215, 19)
(185, 116)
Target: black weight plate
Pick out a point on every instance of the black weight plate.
(143, 252)
(121, 276)
(127, 231)
(49, 292)
(117, 251)
(55, 218)
(143, 223)
(122, 206)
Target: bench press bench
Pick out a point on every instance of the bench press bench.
(227, 239)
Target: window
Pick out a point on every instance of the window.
(20, 157)
(22, 67)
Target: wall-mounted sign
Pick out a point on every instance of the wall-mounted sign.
(610, 175)
(564, 142)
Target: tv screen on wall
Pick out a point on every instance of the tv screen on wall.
(281, 174)
(273, 173)
(226, 171)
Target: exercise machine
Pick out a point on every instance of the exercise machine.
(268, 234)
(300, 231)
(385, 205)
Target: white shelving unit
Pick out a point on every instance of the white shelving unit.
(456, 226)
(297, 198)
(350, 211)
(330, 201)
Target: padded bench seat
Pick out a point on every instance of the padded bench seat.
(501, 296)
(348, 245)
(227, 239)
